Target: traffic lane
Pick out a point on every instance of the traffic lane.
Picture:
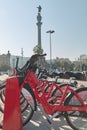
(39, 122)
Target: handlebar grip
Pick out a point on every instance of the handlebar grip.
(43, 54)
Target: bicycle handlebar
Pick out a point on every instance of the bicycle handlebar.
(28, 64)
(35, 57)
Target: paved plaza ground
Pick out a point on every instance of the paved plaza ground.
(39, 121)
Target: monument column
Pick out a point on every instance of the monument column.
(39, 17)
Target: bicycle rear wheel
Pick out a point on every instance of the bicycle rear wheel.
(76, 119)
(27, 104)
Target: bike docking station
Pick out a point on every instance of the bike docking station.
(12, 119)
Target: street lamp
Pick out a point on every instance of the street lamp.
(50, 32)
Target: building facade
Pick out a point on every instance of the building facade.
(5, 59)
(9, 61)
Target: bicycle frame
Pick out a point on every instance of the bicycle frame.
(44, 97)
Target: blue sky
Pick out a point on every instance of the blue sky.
(68, 18)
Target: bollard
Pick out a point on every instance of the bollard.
(12, 112)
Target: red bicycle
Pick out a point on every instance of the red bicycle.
(67, 102)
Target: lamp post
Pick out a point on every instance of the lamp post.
(50, 32)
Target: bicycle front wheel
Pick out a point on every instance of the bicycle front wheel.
(27, 104)
(77, 119)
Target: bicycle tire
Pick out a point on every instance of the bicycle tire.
(22, 101)
(27, 109)
(76, 120)
(32, 104)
